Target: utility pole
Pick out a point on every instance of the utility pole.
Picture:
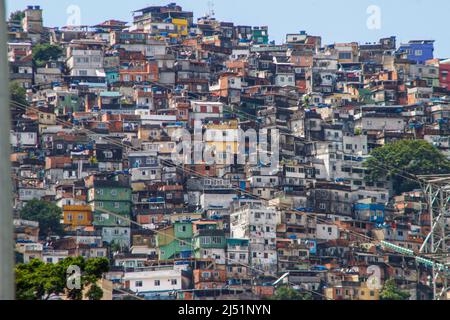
(437, 191)
(6, 219)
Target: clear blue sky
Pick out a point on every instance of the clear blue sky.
(334, 20)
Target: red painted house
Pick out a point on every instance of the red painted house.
(444, 74)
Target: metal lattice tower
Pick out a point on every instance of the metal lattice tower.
(436, 245)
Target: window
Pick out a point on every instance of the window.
(345, 55)
(138, 284)
(302, 253)
(108, 154)
(174, 282)
(216, 240)
(157, 283)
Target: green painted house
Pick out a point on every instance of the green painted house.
(111, 195)
(66, 101)
(210, 244)
(260, 35)
(175, 242)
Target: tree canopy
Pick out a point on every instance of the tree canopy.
(40, 281)
(17, 16)
(404, 158)
(390, 291)
(288, 293)
(47, 214)
(17, 93)
(43, 53)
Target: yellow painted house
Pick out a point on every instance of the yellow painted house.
(223, 137)
(77, 215)
(366, 293)
(181, 26)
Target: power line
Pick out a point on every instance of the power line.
(360, 235)
(243, 191)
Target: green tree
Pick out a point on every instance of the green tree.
(17, 93)
(43, 53)
(94, 293)
(288, 293)
(390, 291)
(17, 16)
(96, 267)
(306, 101)
(115, 247)
(402, 159)
(47, 214)
(39, 281)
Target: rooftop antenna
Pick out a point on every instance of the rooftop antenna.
(210, 12)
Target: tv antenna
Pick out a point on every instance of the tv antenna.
(211, 12)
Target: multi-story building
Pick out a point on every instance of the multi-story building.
(257, 224)
(110, 200)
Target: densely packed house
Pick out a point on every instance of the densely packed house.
(102, 120)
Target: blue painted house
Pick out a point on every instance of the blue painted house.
(373, 212)
(418, 51)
